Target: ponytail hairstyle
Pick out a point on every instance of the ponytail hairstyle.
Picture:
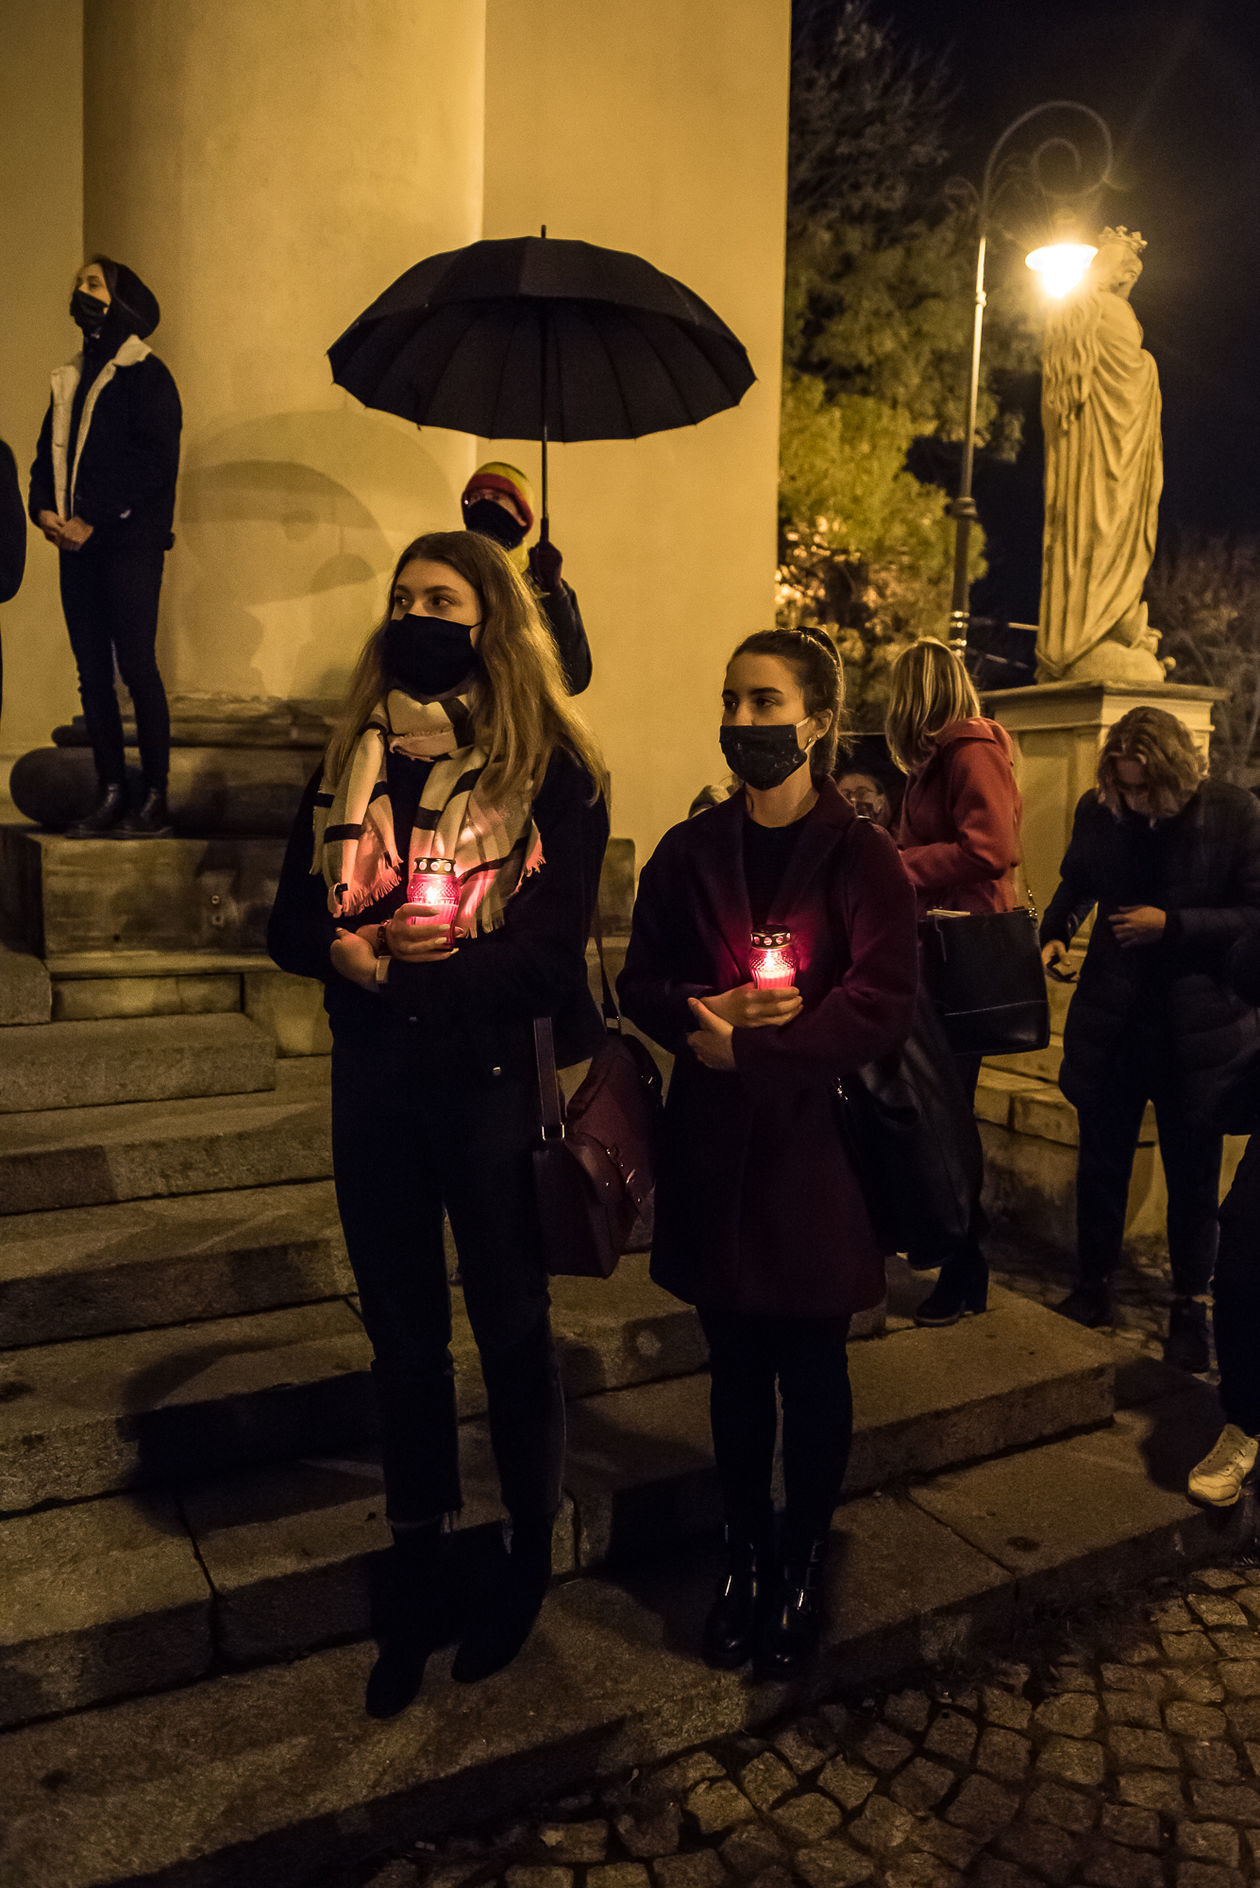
(521, 710)
(812, 657)
(929, 688)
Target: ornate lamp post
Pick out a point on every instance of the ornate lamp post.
(1060, 265)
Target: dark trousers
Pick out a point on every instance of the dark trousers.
(110, 597)
(1236, 1318)
(405, 1143)
(1110, 1123)
(807, 1360)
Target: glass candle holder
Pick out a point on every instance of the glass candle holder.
(433, 882)
(772, 960)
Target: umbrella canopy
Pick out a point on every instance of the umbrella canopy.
(531, 338)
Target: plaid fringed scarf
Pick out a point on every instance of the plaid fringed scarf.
(494, 847)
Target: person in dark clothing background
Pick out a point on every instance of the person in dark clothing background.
(103, 492)
(1172, 861)
(12, 536)
(1218, 1479)
(498, 502)
(760, 1217)
(457, 746)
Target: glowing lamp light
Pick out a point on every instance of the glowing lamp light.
(772, 960)
(1060, 266)
(433, 882)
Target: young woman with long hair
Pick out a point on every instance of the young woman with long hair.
(457, 750)
(760, 1216)
(960, 842)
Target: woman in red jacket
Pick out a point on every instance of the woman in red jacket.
(959, 841)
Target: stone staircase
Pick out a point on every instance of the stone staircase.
(191, 1505)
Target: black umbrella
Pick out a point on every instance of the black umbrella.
(534, 339)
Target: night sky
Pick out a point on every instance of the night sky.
(1178, 81)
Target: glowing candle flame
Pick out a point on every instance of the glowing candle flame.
(1060, 266)
(772, 960)
(433, 882)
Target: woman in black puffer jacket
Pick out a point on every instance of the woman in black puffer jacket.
(1172, 862)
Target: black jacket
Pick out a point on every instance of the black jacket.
(1203, 869)
(127, 450)
(560, 607)
(476, 1009)
(12, 527)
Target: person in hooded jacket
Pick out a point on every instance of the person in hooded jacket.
(1172, 862)
(102, 491)
(498, 502)
(960, 842)
(761, 1220)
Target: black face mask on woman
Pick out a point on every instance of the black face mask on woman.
(426, 655)
(491, 520)
(87, 311)
(763, 757)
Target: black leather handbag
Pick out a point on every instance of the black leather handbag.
(914, 1140)
(594, 1167)
(986, 978)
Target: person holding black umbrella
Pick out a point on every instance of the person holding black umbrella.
(498, 501)
(103, 492)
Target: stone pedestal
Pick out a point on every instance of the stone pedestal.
(1057, 728)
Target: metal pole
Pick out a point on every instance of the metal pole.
(544, 529)
(963, 509)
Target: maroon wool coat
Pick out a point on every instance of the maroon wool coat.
(758, 1206)
(959, 832)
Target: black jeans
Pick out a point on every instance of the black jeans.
(807, 1359)
(1236, 1319)
(1110, 1123)
(110, 597)
(406, 1141)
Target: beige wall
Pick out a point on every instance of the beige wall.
(269, 169)
(41, 242)
(660, 128)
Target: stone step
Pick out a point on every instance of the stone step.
(1042, 1064)
(274, 1776)
(287, 1549)
(25, 992)
(149, 1058)
(89, 1270)
(143, 1149)
(90, 999)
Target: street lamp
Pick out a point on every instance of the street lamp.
(1060, 266)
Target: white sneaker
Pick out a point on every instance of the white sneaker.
(1219, 1477)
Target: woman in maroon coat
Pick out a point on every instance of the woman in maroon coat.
(760, 1217)
(959, 841)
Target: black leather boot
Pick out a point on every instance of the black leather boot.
(150, 820)
(961, 1291)
(791, 1631)
(105, 815)
(730, 1631)
(505, 1612)
(410, 1619)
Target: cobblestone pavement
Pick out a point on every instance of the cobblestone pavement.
(1141, 1290)
(1124, 1752)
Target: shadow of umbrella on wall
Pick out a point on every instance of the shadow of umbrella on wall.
(526, 338)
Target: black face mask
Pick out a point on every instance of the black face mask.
(87, 311)
(491, 520)
(762, 757)
(427, 656)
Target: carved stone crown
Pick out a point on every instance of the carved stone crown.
(1131, 238)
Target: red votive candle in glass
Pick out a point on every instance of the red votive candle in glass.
(772, 960)
(433, 883)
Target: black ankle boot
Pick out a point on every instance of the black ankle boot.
(410, 1619)
(105, 815)
(791, 1631)
(506, 1611)
(150, 820)
(730, 1631)
(961, 1291)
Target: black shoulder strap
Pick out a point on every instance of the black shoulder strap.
(550, 1099)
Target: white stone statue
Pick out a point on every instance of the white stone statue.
(1104, 471)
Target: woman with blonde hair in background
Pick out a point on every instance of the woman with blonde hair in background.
(959, 841)
(458, 761)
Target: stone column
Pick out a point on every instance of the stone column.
(268, 169)
(1058, 728)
